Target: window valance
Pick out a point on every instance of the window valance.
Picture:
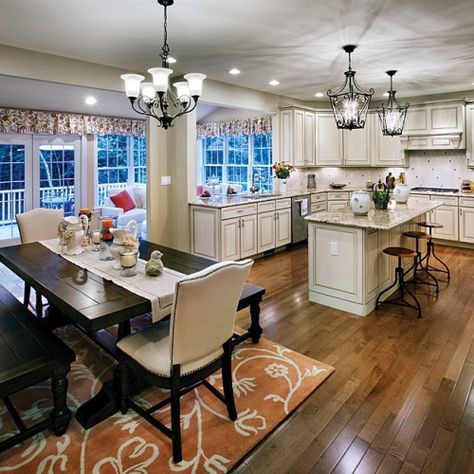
(251, 126)
(61, 123)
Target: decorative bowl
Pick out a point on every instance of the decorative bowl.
(336, 186)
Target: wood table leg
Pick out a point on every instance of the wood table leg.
(255, 328)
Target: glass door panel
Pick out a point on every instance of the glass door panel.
(56, 163)
(14, 175)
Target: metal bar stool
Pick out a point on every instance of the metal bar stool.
(430, 250)
(399, 252)
(417, 266)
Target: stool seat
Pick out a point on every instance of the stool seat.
(416, 234)
(399, 252)
(430, 225)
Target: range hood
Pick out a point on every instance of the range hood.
(435, 126)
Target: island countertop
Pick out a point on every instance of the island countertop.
(377, 219)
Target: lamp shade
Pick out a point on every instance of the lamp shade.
(148, 91)
(195, 80)
(132, 84)
(160, 78)
(182, 91)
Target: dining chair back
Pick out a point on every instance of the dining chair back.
(37, 224)
(195, 344)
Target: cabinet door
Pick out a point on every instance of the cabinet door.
(466, 224)
(266, 231)
(283, 227)
(248, 236)
(328, 141)
(230, 239)
(309, 132)
(470, 134)
(387, 150)
(299, 138)
(286, 136)
(448, 216)
(356, 145)
(417, 121)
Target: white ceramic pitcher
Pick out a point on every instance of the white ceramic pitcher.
(73, 229)
(360, 203)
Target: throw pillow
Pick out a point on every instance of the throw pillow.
(140, 196)
(123, 200)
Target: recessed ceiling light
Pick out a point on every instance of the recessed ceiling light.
(319, 94)
(171, 60)
(91, 100)
(234, 71)
(274, 82)
(385, 94)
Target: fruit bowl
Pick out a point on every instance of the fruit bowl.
(336, 186)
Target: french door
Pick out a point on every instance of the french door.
(37, 171)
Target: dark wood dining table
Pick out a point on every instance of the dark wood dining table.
(94, 304)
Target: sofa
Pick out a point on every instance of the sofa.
(126, 204)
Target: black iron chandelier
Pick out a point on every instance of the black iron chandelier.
(153, 98)
(350, 103)
(392, 115)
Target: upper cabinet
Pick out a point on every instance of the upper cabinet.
(386, 150)
(336, 147)
(297, 137)
(437, 126)
(470, 135)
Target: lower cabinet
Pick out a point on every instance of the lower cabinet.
(238, 237)
(274, 226)
(466, 220)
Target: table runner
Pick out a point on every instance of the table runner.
(159, 290)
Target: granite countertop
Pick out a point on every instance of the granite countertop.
(377, 219)
(222, 200)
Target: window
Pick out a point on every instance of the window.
(241, 159)
(121, 160)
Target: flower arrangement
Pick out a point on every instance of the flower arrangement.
(129, 242)
(66, 236)
(381, 195)
(282, 170)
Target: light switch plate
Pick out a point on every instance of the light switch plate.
(333, 248)
(165, 180)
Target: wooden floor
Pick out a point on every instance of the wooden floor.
(401, 398)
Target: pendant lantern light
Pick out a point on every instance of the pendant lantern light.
(350, 103)
(392, 115)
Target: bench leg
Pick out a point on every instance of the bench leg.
(60, 415)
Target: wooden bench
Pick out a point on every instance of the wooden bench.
(29, 354)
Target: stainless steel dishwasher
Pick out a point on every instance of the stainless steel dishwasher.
(300, 207)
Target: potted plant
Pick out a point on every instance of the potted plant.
(282, 172)
(380, 195)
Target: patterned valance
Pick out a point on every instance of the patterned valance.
(251, 126)
(60, 123)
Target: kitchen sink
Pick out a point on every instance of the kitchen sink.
(260, 195)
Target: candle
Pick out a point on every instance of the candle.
(127, 261)
(107, 223)
(96, 237)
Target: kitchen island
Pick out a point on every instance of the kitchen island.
(346, 266)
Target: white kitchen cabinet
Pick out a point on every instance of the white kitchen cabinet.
(337, 200)
(466, 220)
(448, 216)
(435, 126)
(297, 137)
(386, 150)
(470, 135)
(318, 202)
(274, 224)
(238, 237)
(205, 232)
(336, 147)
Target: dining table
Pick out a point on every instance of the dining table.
(96, 305)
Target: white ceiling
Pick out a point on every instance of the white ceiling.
(298, 42)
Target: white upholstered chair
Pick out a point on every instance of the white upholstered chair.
(196, 342)
(38, 224)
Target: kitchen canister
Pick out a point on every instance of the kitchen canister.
(360, 203)
(401, 193)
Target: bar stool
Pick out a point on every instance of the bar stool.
(417, 266)
(430, 249)
(399, 252)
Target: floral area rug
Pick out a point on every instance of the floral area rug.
(269, 382)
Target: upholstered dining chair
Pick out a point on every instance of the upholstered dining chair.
(196, 343)
(37, 224)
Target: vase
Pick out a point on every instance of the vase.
(401, 193)
(360, 203)
(381, 204)
(280, 186)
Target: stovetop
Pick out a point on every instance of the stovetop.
(435, 190)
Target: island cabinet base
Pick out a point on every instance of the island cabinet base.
(347, 268)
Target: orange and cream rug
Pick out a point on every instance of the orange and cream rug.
(269, 382)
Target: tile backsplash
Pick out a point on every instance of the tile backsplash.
(441, 168)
